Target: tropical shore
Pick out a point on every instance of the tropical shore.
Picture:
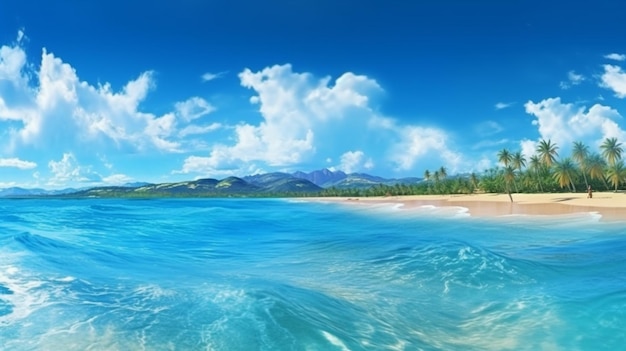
(611, 205)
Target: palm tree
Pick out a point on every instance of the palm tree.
(426, 175)
(442, 172)
(535, 167)
(509, 177)
(616, 174)
(528, 180)
(611, 150)
(474, 181)
(505, 157)
(596, 166)
(518, 161)
(580, 153)
(564, 173)
(547, 152)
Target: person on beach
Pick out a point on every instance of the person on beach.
(589, 192)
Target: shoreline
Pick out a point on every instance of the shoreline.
(610, 205)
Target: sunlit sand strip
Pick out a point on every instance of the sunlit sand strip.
(611, 205)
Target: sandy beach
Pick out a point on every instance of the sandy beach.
(611, 205)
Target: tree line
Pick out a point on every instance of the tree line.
(547, 171)
(544, 171)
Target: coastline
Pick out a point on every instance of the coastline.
(610, 205)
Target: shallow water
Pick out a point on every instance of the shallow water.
(215, 274)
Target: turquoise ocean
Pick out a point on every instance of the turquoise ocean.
(275, 274)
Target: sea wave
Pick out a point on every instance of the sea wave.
(277, 275)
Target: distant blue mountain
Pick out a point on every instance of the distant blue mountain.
(323, 177)
(326, 178)
(20, 192)
(254, 185)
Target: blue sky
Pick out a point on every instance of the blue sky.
(95, 93)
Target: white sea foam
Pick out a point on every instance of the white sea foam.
(25, 297)
(423, 211)
(555, 220)
(335, 341)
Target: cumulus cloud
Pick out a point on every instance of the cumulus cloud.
(565, 123)
(12, 61)
(529, 147)
(615, 79)
(17, 163)
(416, 142)
(68, 170)
(354, 161)
(292, 105)
(303, 116)
(573, 79)
(616, 57)
(36, 100)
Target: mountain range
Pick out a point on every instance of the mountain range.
(252, 185)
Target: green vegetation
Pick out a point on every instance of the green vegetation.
(546, 172)
(542, 172)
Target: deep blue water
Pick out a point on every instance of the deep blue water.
(216, 274)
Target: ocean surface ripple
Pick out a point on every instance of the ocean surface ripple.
(249, 274)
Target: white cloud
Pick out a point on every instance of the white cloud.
(616, 57)
(86, 112)
(354, 161)
(573, 79)
(615, 79)
(302, 116)
(482, 165)
(94, 118)
(207, 77)
(17, 163)
(291, 105)
(565, 123)
(417, 142)
(12, 61)
(193, 108)
(503, 105)
(195, 129)
(529, 148)
(4, 185)
(20, 35)
(117, 179)
(209, 166)
(67, 170)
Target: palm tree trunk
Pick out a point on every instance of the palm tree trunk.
(585, 177)
(573, 186)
